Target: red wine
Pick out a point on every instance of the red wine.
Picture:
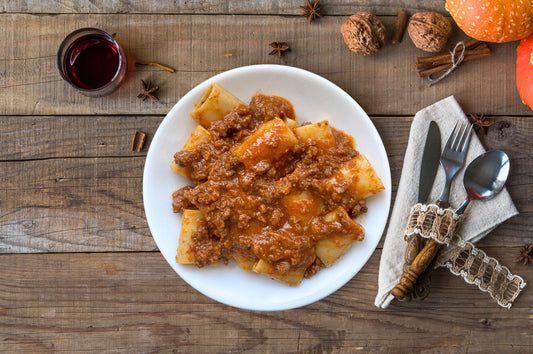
(92, 61)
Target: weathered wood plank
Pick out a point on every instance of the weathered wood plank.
(47, 137)
(200, 46)
(63, 205)
(264, 7)
(135, 302)
(66, 191)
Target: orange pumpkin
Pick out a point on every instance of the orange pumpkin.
(493, 20)
(524, 70)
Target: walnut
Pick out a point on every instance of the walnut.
(363, 33)
(429, 31)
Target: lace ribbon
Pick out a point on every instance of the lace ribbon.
(475, 267)
(462, 257)
(431, 221)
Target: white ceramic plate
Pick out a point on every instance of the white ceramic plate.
(314, 98)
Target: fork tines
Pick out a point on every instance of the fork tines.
(459, 142)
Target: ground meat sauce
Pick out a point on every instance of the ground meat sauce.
(243, 207)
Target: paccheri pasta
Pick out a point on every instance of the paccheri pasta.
(276, 197)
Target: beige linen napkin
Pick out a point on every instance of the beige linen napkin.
(480, 218)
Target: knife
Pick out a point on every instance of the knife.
(428, 170)
(430, 162)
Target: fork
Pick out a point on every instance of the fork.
(452, 160)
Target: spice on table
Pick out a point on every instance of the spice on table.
(474, 49)
(148, 91)
(164, 67)
(137, 142)
(311, 10)
(279, 48)
(429, 31)
(525, 254)
(399, 27)
(480, 122)
(364, 33)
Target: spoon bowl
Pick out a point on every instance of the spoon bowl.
(485, 177)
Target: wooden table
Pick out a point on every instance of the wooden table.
(80, 270)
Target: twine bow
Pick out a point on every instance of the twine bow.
(456, 60)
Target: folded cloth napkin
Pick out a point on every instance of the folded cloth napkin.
(480, 218)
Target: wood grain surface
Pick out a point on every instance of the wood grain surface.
(217, 7)
(200, 46)
(134, 302)
(72, 183)
(80, 269)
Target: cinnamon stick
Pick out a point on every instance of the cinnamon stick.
(399, 27)
(470, 45)
(446, 58)
(137, 142)
(436, 69)
(164, 67)
(474, 43)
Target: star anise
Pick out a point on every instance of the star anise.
(480, 122)
(525, 254)
(279, 48)
(148, 91)
(311, 10)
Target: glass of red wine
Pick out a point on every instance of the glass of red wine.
(91, 61)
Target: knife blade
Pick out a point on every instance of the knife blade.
(428, 171)
(430, 162)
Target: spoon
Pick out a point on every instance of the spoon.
(485, 177)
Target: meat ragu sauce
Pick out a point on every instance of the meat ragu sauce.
(245, 208)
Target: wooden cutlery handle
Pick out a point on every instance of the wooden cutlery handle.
(414, 246)
(423, 259)
(405, 286)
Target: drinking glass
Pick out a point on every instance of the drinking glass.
(91, 61)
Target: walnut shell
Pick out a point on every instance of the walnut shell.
(429, 31)
(363, 33)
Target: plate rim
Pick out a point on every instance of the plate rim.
(277, 68)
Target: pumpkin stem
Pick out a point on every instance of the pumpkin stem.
(531, 59)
